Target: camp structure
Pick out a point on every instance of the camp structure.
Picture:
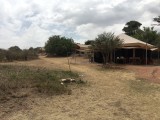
(82, 49)
(133, 51)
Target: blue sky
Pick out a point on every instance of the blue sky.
(29, 23)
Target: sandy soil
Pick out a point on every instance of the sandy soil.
(109, 95)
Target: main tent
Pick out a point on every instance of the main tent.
(130, 42)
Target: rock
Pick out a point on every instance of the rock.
(62, 83)
(62, 80)
(73, 80)
(67, 80)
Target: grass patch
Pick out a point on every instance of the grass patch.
(14, 78)
(142, 86)
(17, 83)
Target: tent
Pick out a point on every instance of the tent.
(140, 49)
(129, 41)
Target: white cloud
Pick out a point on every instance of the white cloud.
(29, 23)
(89, 31)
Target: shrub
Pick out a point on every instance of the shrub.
(15, 53)
(59, 46)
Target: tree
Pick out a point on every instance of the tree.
(106, 43)
(148, 35)
(157, 19)
(15, 49)
(132, 27)
(13, 53)
(89, 42)
(59, 46)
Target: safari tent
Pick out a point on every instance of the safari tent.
(82, 49)
(133, 51)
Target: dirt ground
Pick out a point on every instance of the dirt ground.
(151, 73)
(110, 94)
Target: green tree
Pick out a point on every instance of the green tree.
(89, 42)
(59, 46)
(13, 53)
(106, 43)
(148, 35)
(157, 19)
(15, 49)
(132, 27)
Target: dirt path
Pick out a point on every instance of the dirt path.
(108, 96)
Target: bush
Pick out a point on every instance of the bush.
(15, 53)
(59, 46)
(2, 55)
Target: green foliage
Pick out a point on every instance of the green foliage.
(157, 19)
(131, 27)
(15, 53)
(106, 43)
(15, 49)
(2, 55)
(89, 42)
(39, 50)
(148, 34)
(59, 46)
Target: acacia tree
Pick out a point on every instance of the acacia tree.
(59, 46)
(106, 43)
(132, 27)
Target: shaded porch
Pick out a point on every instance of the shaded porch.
(133, 56)
(128, 56)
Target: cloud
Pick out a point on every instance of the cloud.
(30, 23)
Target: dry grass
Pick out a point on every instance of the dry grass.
(111, 95)
(18, 82)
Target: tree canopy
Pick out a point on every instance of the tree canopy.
(15, 49)
(59, 46)
(106, 43)
(132, 27)
(157, 19)
(89, 42)
(148, 34)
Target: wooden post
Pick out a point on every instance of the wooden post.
(158, 56)
(133, 60)
(68, 62)
(146, 53)
(134, 53)
(114, 56)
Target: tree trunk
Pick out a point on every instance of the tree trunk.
(104, 58)
(111, 60)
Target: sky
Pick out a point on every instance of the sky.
(29, 23)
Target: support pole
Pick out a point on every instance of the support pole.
(158, 54)
(134, 54)
(146, 54)
(114, 56)
(68, 62)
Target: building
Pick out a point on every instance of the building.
(133, 51)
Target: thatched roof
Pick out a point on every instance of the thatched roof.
(129, 41)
